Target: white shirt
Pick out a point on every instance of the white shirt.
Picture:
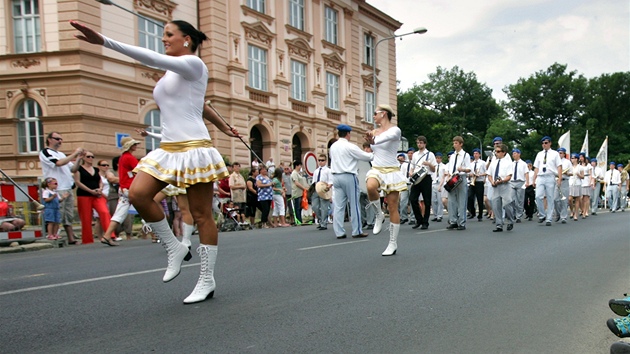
(322, 174)
(421, 156)
(549, 164)
(521, 170)
(440, 171)
(344, 156)
(506, 168)
(575, 179)
(405, 168)
(63, 174)
(566, 165)
(478, 168)
(530, 176)
(588, 172)
(598, 174)
(463, 161)
(616, 177)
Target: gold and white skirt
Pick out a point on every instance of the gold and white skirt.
(390, 179)
(184, 163)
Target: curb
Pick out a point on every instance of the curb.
(35, 246)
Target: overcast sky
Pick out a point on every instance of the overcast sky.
(504, 40)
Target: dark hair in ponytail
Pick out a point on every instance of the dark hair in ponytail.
(189, 30)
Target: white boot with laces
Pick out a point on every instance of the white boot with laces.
(205, 285)
(393, 238)
(175, 250)
(379, 217)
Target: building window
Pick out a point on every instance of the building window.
(150, 35)
(298, 80)
(332, 91)
(26, 26)
(154, 125)
(258, 5)
(330, 16)
(257, 59)
(368, 57)
(30, 130)
(369, 106)
(296, 14)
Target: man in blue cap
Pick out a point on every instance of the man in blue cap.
(623, 192)
(612, 180)
(477, 178)
(343, 159)
(519, 179)
(561, 206)
(547, 162)
(596, 193)
(495, 142)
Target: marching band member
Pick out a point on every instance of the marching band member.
(561, 206)
(343, 164)
(612, 180)
(423, 158)
(458, 164)
(598, 177)
(438, 180)
(546, 162)
(499, 175)
(385, 175)
(477, 184)
(518, 184)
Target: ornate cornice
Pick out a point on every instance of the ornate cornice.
(333, 61)
(258, 32)
(299, 48)
(162, 7)
(25, 63)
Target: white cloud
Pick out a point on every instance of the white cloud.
(502, 41)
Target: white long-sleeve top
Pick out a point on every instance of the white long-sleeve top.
(344, 156)
(179, 94)
(385, 147)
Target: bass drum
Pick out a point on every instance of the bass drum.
(362, 169)
(453, 182)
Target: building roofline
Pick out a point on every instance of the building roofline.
(378, 15)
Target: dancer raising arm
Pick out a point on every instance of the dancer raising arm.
(186, 157)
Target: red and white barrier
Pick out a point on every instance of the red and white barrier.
(21, 235)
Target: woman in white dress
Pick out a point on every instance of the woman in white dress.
(186, 157)
(385, 173)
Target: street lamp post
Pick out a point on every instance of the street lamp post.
(110, 2)
(419, 30)
(480, 145)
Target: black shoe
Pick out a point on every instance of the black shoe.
(322, 228)
(471, 216)
(424, 226)
(369, 227)
(340, 237)
(451, 226)
(480, 219)
(403, 221)
(498, 229)
(434, 219)
(541, 220)
(529, 218)
(510, 227)
(518, 221)
(439, 220)
(415, 226)
(360, 235)
(461, 228)
(548, 223)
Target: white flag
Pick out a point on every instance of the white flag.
(565, 142)
(602, 155)
(584, 148)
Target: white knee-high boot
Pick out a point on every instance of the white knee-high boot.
(379, 217)
(205, 285)
(393, 238)
(187, 231)
(175, 251)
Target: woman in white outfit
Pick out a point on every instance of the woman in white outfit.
(385, 173)
(186, 157)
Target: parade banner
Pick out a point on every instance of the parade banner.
(602, 155)
(565, 142)
(584, 148)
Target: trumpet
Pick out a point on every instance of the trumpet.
(562, 197)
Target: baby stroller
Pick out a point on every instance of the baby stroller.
(229, 222)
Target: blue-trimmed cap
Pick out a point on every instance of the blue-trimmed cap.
(497, 138)
(546, 137)
(619, 165)
(612, 163)
(574, 155)
(593, 160)
(401, 154)
(411, 149)
(450, 153)
(516, 150)
(528, 161)
(344, 128)
(582, 154)
(476, 150)
(438, 154)
(562, 150)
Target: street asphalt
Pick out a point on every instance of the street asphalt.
(536, 289)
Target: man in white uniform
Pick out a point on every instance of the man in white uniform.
(547, 161)
(319, 204)
(343, 158)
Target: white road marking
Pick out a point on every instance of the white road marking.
(89, 280)
(330, 245)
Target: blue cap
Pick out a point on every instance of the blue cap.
(516, 150)
(545, 138)
(528, 161)
(574, 155)
(476, 150)
(612, 163)
(497, 138)
(411, 149)
(619, 165)
(562, 150)
(344, 128)
(450, 153)
(438, 154)
(593, 160)
(401, 154)
(582, 154)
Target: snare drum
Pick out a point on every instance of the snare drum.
(453, 182)
(418, 176)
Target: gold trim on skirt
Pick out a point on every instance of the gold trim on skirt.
(183, 146)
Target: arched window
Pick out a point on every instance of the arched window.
(30, 130)
(154, 125)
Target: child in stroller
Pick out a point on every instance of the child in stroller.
(233, 220)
